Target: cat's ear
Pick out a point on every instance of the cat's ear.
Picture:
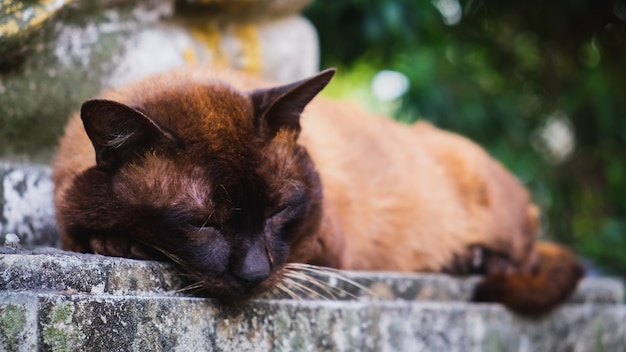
(280, 107)
(118, 132)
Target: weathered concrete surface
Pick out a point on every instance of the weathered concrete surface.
(26, 207)
(53, 300)
(56, 54)
(73, 322)
(122, 323)
(57, 270)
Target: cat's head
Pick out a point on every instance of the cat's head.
(208, 176)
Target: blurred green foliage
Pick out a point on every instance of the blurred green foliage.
(499, 76)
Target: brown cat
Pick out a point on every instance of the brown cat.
(223, 177)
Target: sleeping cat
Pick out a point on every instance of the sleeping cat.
(231, 180)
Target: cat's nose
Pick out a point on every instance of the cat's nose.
(256, 265)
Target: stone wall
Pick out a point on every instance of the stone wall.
(56, 54)
(26, 207)
(55, 301)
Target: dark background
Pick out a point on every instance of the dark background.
(499, 72)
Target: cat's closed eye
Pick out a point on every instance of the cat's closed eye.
(280, 210)
(182, 218)
(202, 224)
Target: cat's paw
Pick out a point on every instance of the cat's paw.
(119, 247)
(471, 261)
(478, 259)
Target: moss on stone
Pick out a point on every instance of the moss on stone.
(599, 340)
(56, 339)
(62, 313)
(12, 322)
(59, 334)
(493, 341)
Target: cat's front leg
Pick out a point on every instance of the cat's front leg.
(117, 246)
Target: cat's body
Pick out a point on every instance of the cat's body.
(231, 185)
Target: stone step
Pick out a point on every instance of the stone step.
(32, 320)
(49, 269)
(54, 300)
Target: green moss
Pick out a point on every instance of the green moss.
(599, 333)
(56, 339)
(62, 313)
(12, 321)
(299, 343)
(282, 323)
(493, 341)
(58, 334)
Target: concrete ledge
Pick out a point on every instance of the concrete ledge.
(54, 300)
(51, 269)
(75, 322)
(84, 273)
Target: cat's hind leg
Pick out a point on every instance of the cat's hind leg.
(536, 292)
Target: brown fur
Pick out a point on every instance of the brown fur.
(339, 187)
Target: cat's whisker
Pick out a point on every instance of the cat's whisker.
(171, 256)
(296, 187)
(191, 287)
(333, 291)
(303, 288)
(274, 291)
(187, 273)
(321, 269)
(334, 273)
(206, 221)
(320, 284)
(174, 258)
(289, 292)
(226, 192)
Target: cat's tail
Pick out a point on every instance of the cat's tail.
(535, 294)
